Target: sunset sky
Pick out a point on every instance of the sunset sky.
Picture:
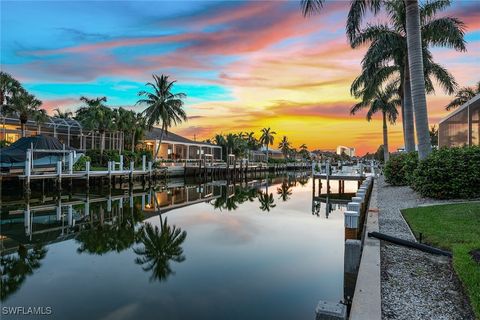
(243, 65)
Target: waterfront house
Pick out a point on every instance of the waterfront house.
(462, 126)
(175, 147)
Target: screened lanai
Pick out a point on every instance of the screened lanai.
(68, 131)
(462, 126)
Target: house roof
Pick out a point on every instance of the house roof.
(155, 134)
(474, 101)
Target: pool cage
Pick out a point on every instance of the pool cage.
(68, 131)
(461, 127)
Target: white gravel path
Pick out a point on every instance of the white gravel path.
(415, 284)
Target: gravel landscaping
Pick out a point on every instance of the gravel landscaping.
(415, 284)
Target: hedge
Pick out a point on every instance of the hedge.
(400, 168)
(97, 159)
(449, 173)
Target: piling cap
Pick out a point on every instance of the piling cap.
(352, 213)
(357, 199)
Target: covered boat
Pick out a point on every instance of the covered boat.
(47, 152)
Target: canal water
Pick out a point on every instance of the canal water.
(258, 249)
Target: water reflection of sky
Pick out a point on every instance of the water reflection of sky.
(242, 264)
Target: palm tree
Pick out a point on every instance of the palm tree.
(267, 138)
(62, 114)
(24, 105)
(96, 116)
(413, 20)
(389, 43)
(40, 116)
(139, 125)
(160, 246)
(386, 102)
(163, 106)
(284, 146)
(123, 120)
(8, 87)
(462, 96)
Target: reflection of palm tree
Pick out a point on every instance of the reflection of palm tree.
(159, 247)
(303, 180)
(285, 191)
(103, 238)
(266, 201)
(230, 203)
(14, 269)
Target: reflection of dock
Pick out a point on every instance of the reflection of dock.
(59, 218)
(344, 177)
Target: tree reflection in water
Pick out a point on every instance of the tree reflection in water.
(160, 246)
(102, 237)
(266, 201)
(285, 191)
(15, 268)
(231, 202)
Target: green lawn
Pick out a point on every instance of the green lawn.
(454, 227)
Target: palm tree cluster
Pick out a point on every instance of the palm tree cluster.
(17, 101)
(163, 107)
(241, 144)
(398, 61)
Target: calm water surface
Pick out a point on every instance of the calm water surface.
(256, 250)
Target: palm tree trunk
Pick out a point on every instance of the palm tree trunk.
(159, 145)
(102, 142)
(133, 141)
(417, 77)
(409, 130)
(267, 152)
(386, 153)
(22, 126)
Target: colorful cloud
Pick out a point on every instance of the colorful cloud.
(243, 64)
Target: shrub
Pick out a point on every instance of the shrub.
(449, 173)
(4, 143)
(399, 169)
(98, 159)
(80, 164)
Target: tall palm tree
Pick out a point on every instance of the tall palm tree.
(96, 116)
(388, 43)
(462, 96)
(284, 146)
(386, 102)
(163, 106)
(40, 116)
(62, 114)
(160, 246)
(415, 59)
(24, 105)
(417, 77)
(267, 138)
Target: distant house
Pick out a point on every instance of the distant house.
(349, 151)
(462, 126)
(175, 147)
(273, 153)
